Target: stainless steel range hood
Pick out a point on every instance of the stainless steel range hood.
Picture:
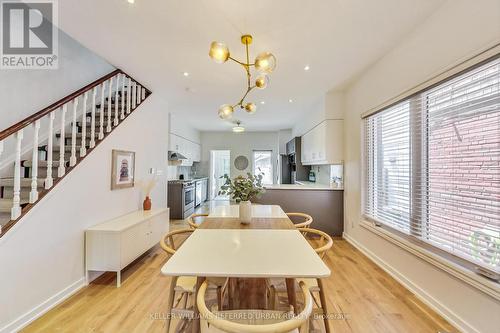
(174, 156)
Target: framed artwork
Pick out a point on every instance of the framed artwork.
(122, 169)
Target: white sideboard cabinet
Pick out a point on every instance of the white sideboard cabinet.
(114, 244)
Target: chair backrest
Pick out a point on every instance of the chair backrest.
(168, 242)
(223, 325)
(325, 240)
(307, 219)
(192, 220)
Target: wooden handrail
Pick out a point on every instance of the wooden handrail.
(40, 114)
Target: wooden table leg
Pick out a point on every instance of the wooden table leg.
(292, 296)
(322, 298)
(196, 319)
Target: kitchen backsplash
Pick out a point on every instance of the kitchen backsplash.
(326, 174)
(173, 172)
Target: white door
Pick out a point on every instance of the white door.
(220, 164)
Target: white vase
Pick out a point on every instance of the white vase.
(245, 212)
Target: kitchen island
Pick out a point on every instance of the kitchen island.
(323, 202)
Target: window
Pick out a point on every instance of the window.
(432, 166)
(263, 163)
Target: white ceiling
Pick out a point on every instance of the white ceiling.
(157, 40)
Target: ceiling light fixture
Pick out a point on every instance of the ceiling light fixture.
(264, 64)
(238, 128)
(130, 1)
(185, 74)
(262, 102)
(306, 68)
(290, 100)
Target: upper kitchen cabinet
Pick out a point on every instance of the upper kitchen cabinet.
(190, 150)
(324, 143)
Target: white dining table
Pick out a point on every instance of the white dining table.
(246, 253)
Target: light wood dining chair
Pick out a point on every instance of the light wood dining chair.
(254, 321)
(184, 285)
(321, 243)
(304, 224)
(192, 220)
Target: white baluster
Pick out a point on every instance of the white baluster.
(83, 148)
(134, 95)
(143, 93)
(129, 96)
(72, 159)
(108, 128)
(49, 181)
(34, 163)
(115, 121)
(122, 99)
(16, 201)
(101, 126)
(62, 169)
(92, 121)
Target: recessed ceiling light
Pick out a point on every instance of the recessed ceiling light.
(185, 73)
(290, 100)
(262, 102)
(130, 1)
(306, 68)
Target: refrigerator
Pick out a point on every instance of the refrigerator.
(285, 170)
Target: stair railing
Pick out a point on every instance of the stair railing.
(114, 87)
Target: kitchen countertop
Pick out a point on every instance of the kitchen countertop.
(303, 185)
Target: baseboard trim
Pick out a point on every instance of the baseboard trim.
(43, 307)
(421, 294)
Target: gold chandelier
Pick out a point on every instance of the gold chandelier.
(264, 63)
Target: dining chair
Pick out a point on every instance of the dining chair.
(321, 243)
(254, 321)
(192, 220)
(304, 224)
(185, 285)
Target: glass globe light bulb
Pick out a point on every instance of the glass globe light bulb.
(250, 108)
(226, 111)
(219, 52)
(265, 62)
(262, 81)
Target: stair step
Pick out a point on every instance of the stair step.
(25, 182)
(8, 193)
(4, 218)
(6, 205)
(41, 164)
(78, 135)
(57, 149)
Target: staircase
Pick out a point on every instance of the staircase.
(72, 128)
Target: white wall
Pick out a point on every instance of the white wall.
(239, 144)
(24, 92)
(42, 257)
(180, 127)
(458, 30)
(329, 106)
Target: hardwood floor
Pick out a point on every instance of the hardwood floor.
(360, 295)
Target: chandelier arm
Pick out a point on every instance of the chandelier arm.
(240, 103)
(239, 62)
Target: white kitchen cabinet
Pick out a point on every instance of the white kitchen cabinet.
(191, 150)
(323, 144)
(112, 245)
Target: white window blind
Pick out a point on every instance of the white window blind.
(432, 166)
